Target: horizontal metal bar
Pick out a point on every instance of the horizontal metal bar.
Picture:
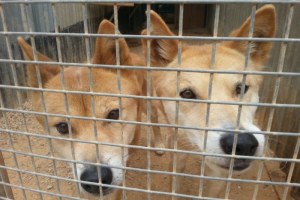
(112, 186)
(151, 97)
(172, 69)
(151, 1)
(148, 97)
(161, 172)
(198, 153)
(210, 38)
(38, 191)
(4, 198)
(107, 185)
(194, 153)
(146, 123)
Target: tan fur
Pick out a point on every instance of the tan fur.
(229, 56)
(104, 81)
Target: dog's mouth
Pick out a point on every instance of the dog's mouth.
(238, 165)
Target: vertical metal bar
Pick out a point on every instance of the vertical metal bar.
(292, 167)
(281, 60)
(9, 52)
(19, 99)
(25, 10)
(28, 26)
(2, 103)
(247, 59)
(11, 145)
(86, 31)
(91, 87)
(119, 74)
(212, 66)
(175, 136)
(62, 80)
(4, 178)
(3, 172)
(148, 103)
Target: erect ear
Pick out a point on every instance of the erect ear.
(163, 51)
(105, 50)
(46, 71)
(264, 27)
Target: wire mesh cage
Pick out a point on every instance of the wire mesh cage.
(138, 99)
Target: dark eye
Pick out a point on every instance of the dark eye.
(239, 87)
(62, 128)
(113, 114)
(187, 94)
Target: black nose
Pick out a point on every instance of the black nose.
(246, 144)
(90, 174)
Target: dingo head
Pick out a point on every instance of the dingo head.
(80, 105)
(225, 87)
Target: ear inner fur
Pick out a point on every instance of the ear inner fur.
(163, 51)
(105, 50)
(46, 71)
(264, 27)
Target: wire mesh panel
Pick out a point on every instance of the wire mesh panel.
(149, 100)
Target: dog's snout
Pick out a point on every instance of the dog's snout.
(90, 174)
(246, 144)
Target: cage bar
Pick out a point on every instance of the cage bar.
(282, 72)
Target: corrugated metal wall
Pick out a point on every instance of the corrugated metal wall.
(69, 18)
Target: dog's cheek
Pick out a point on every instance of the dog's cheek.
(254, 99)
(213, 142)
(129, 130)
(170, 109)
(213, 147)
(62, 148)
(115, 159)
(77, 170)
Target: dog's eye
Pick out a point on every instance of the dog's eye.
(239, 87)
(113, 114)
(187, 94)
(62, 128)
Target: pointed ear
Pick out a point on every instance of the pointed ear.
(163, 51)
(105, 49)
(46, 71)
(264, 27)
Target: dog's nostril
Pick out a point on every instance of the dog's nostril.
(246, 144)
(91, 175)
(228, 149)
(106, 175)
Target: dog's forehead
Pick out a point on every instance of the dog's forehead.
(78, 80)
(201, 57)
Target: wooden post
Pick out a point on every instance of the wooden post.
(5, 191)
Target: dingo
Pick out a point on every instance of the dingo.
(105, 81)
(230, 55)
